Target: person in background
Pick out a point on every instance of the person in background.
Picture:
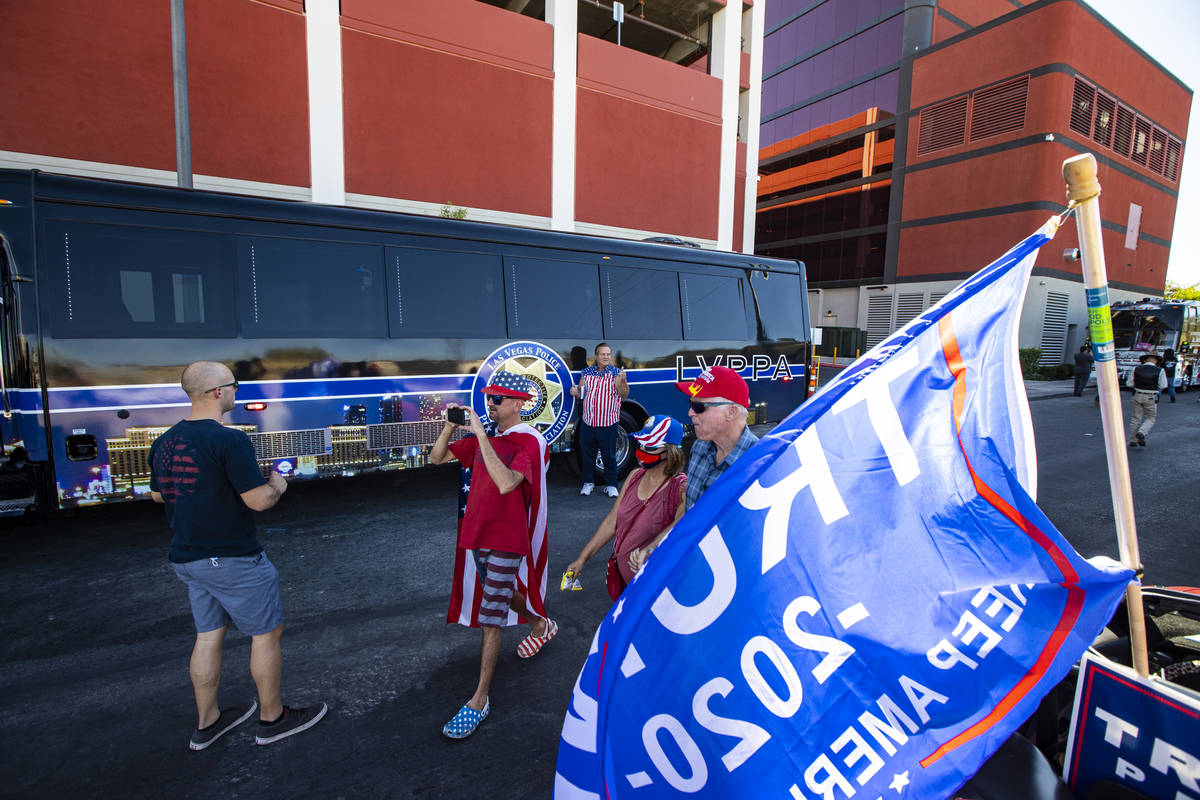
(1169, 362)
(207, 477)
(601, 387)
(652, 499)
(1083, 369)
(1147, 380)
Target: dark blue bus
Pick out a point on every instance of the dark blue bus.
(348, 330)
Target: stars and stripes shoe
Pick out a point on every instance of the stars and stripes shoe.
(531, 645)
(293, 720)
(464, 723)
(229, 719)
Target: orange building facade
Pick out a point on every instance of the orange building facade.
(974, 106)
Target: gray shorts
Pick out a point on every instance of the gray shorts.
(244, 589)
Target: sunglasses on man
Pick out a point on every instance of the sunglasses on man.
(233, 385)
(700, 408)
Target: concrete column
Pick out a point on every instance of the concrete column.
(327, 150)
(564, 16)
(753, 117)
(726, 62)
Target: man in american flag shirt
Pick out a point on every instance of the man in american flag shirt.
(601, 387)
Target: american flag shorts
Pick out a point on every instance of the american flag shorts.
(498, 576)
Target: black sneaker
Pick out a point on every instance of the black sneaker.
(229, 719)
(1141, 439)
(293, 720)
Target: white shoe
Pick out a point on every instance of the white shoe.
(611, 491)
(587, 489)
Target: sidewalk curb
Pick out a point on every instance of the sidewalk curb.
(1032, 398)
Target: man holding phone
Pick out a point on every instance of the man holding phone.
(502, 534)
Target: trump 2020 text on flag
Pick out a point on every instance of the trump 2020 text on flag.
(866, 604)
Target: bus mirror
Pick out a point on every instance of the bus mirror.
(81, 447)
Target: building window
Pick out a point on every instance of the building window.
(999, 109)
(1171, 168)
(943, 125)
(1116, 126)
(1141, 140)
(1102, 128)
(992, 111)
(1158, 150)
(1123, 133)
(1083, 103)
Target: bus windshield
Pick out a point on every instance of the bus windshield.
(1137, 329)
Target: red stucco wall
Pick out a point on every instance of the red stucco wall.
(466, 122)
(248, 91)
(648, 141)
(88, 81)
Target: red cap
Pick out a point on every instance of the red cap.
(719, 382)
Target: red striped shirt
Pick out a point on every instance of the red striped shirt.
(601, 403)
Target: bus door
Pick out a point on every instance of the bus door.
(18, 477)
(8, 400)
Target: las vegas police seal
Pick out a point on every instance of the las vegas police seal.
(550, 380)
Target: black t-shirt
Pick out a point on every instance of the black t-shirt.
(201, 469)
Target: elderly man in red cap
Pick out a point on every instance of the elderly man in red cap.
(719, 403)
(503, 530)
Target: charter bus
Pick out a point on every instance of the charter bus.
(348, 330)
(1147, 325)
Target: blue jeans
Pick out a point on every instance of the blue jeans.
(1170, 388)
(602, 439)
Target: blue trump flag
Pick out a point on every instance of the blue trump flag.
(866, 604)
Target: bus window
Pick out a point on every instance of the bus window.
(301, 287)
(640, 303)
(439, 294)
(111, 281)
(714, 307)
(552, 299)
(779, 298)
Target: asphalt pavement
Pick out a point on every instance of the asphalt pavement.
(96, 633)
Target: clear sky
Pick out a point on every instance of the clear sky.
(1169, 31)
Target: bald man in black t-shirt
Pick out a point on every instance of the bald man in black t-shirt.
(207, 477)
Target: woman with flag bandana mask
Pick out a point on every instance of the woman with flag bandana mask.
(651, 499)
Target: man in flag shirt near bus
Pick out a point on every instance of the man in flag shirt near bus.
(601, 387)
(500, 561)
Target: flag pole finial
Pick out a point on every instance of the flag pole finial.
(1080, 174)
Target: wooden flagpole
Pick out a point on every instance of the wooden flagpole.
(1083, 190)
